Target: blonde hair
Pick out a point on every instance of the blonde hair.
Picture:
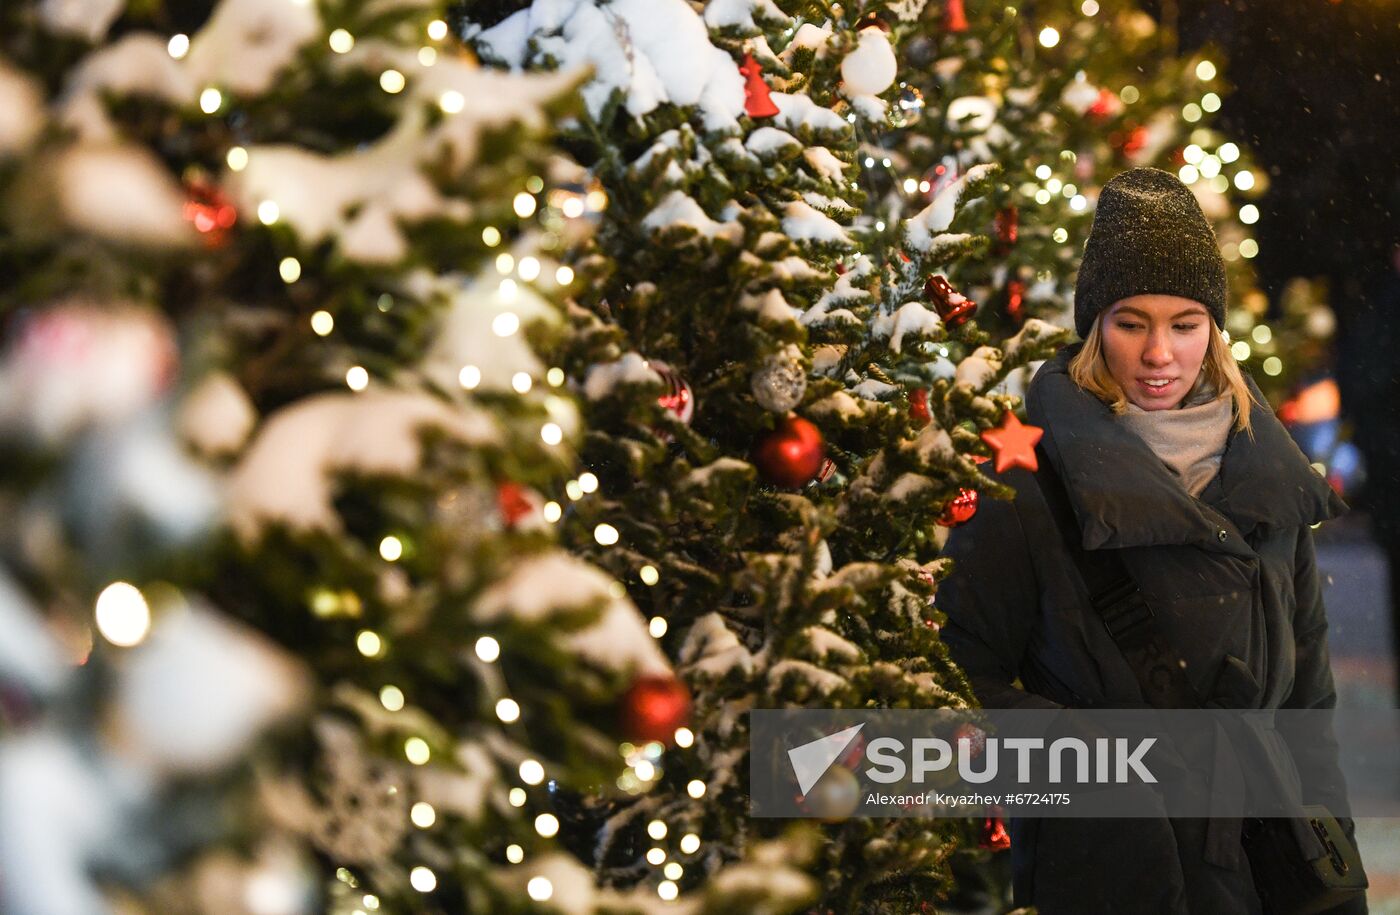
(1089, 369)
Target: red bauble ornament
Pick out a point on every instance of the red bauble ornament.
(1014, 443)
(679, 399)
(961, 509)
(210, 212)
(1106, 105)
(994, 835)
(513, 502)
(653, 708)
(976, 737)
(1016, 300)
(1006, 226)
(954, 18)
(954, 308)
(791, 455)
(918, 406)
(757, 102)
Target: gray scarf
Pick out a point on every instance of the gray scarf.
(1189, 439)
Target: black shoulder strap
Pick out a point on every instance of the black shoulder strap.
(1120, 604)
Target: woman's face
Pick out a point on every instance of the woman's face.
(1148, 339)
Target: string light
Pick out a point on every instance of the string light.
(572, 208)
(524, 205)
(491, 236)
(1078, 203)
(237, 158)
(605, 534)
(391, 549)
(551, 433)
(564, 275)
(341, 41)
(487, 648)
(1054, 185)
(1273, 366)
(521, 382)
(657, 830)
(1210, 167)
(573, 490)
(673, 870)
(531, 772)
(437, 30)
(645, 770)
(1205, 71)
(289, 269)
(1049, 37)
(1244, 180)
(517, 797)
(210, 100)
(1240, 350)
(178, 46)
(1249, 214)
(684, 737)
(451, 101)
(667, 890)
(422, 879)
(1249, 248)
(416, 750)
(529, 269)
(1042, 196)
(695, 788)
(539, 888)
(547, 825)
(656, 856)
(322, 323)
(371, 902)
(356, 378)
(369, 643)
(123, 616)
(1189, 174)
(508, 710)
(554, 376)
(427, 56)
(1193, 154)
(690, 843)
(515, 854)
(1130, 94)
(422, 814)
(587, 482)
(657, 627)
(1210, 102)
(391, 697)
(1191, 112)
(505, 324)
(649, 575)
(1090, 8)
(553, 512)
(1229, 152)
(469, 377)
(392, 81)
(1262, 334)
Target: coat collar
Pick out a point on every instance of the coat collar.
(1123, 495)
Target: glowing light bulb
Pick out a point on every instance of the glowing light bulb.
(123, 616)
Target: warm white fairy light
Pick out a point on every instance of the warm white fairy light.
(1249, 214)
(547, 825)
(1049, 37)
(508, 710)
(1262, 334)
(422, 814)
(392, 81)
(605, 534)
(369, 644)
(667, 890)
(1228, 152)
(555, 376)
(673, 870)
(617, 589)
(487, 648)
(391, 697)
(506, 291)
(422, 879)
(690, 843)
(695, 788)
(1089, 8)
(469, 377)
(1069, 191)
(1191, 112)
(1054, 185)
(539, 888)
(1189, 174)
(649, 575)
(514, 853)
(564, 275)
(657, 626)
(357, 378)
(910, 185)
(178, 45)
(341, 41)
(1078, 203)
(1129, 94)
(1240, 350)
(1042, 196)
(322, 323)
(587, 482)
(1193, 154)
(551, 433)
(645, 770)
(371, 902)
(1060, 235)
(529, 269)
(869, 162)
(427, 56)
(237, 158)
(1273, 366)
(573, 490)
(123, 616)
(505, 324)
(656, 856)
(553, 511)
(289, 269)
(1210, 167)
(416, 750)
(684, 737)
(1244, 180)
(656, 829)
(1249, 248)
(1210, 102)
(391, 549)
(451, 101)
(437, 30)
(524, 205)
(491, 236)
(211, 100)
(269, 212)
(521, 382)
(531, 772)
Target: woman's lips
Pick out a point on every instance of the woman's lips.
(1158, 390)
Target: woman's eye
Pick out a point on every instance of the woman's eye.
(1128, 325)
(1187, 328)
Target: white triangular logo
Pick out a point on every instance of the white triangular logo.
(811, 760)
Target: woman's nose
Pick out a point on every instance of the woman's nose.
(1158, 350)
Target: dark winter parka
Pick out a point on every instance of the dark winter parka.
(1232, 578)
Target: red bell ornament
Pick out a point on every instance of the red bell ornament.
(952, 306)
(653, 708)
(791, 455)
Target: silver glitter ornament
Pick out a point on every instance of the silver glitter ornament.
(781, 380)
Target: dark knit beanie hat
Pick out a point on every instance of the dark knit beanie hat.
(1149, 236)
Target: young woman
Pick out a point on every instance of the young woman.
(1169, 456)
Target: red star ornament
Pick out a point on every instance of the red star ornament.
(1014, 443)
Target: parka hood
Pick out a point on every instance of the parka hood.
(1123, 495)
